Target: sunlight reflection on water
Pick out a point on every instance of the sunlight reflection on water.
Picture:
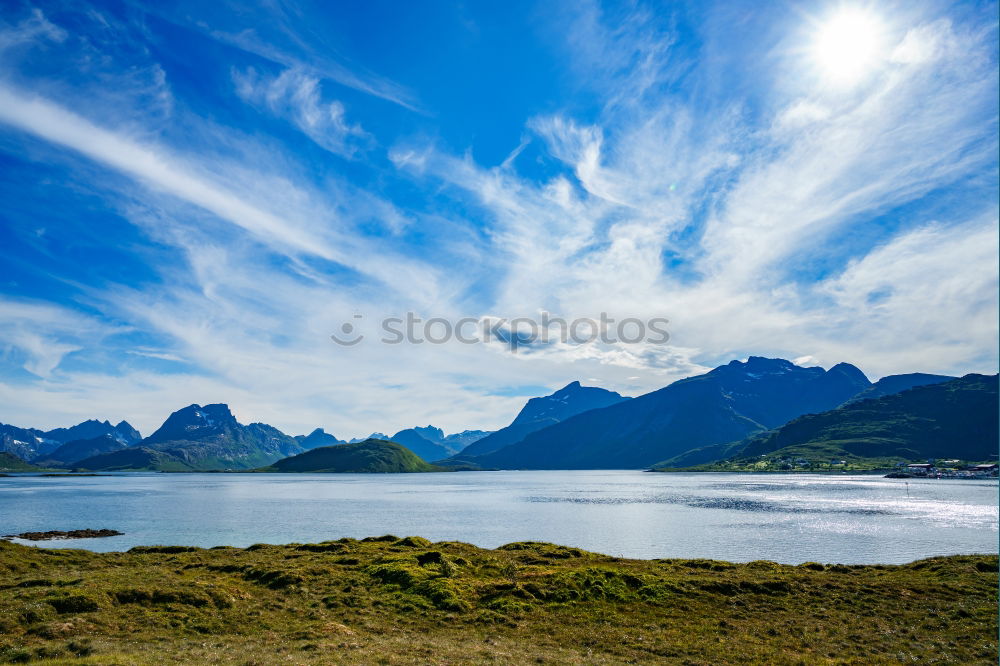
(738, 517)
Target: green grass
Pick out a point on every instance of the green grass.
(409, 601)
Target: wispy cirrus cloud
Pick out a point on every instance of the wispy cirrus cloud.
(752, 207)
(304, 228)
(280, 34)
(37, 336)
(297, 96)
(802, 188)
(58, 125)
(30, 30)
(321, 66)
(917, 126)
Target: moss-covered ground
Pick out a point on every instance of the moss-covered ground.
(408, 601)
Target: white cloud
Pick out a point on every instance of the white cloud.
(31, 30)
(298, 96)
(58, 125)
(915, 132)
(38, 336)
(924, 44)
(928, 296)
(268, 262)
(319, 64)
(595, 240)
(802, 113)
(236, 193)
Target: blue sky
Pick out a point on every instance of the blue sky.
(196, 195)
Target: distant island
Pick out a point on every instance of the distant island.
(372, 456)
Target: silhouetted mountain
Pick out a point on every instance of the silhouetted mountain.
(568, 401)
(418, 441)
(317, 438)
(210, 437)
(954, 419)
(432, 444)
(539, 413)
(374, 435)
(93, 428)
(131, 435)
(194, 422)
(429, 433)
(726, 404)
(898, 383)
(134, 458)
(71, 452)
(369, 456)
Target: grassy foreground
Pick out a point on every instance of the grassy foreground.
(407, 601)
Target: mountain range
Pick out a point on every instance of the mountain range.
(79, 449)
(432, 444)
(317, 438)
(210, 437)
(742, 408)
(192, 438)
(723, 405)
(91, 429)
(951, 419)
(428, 442)
(888, 385)
(31, 443)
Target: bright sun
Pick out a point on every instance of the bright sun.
(848, 44)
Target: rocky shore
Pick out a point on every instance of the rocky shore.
(57, 534)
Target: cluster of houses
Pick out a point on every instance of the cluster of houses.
(951, 469)
(935, 469)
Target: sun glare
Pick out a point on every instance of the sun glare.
(848, 45)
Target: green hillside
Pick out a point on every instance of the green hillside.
(11, 463)
(370, 456)
(136, 458)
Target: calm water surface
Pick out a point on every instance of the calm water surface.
(736, 517)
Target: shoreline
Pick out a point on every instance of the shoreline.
(836, 473)
(55, 544)
(49, 543)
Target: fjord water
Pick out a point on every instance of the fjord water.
(735, 517)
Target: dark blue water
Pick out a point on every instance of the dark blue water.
(736, 517)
